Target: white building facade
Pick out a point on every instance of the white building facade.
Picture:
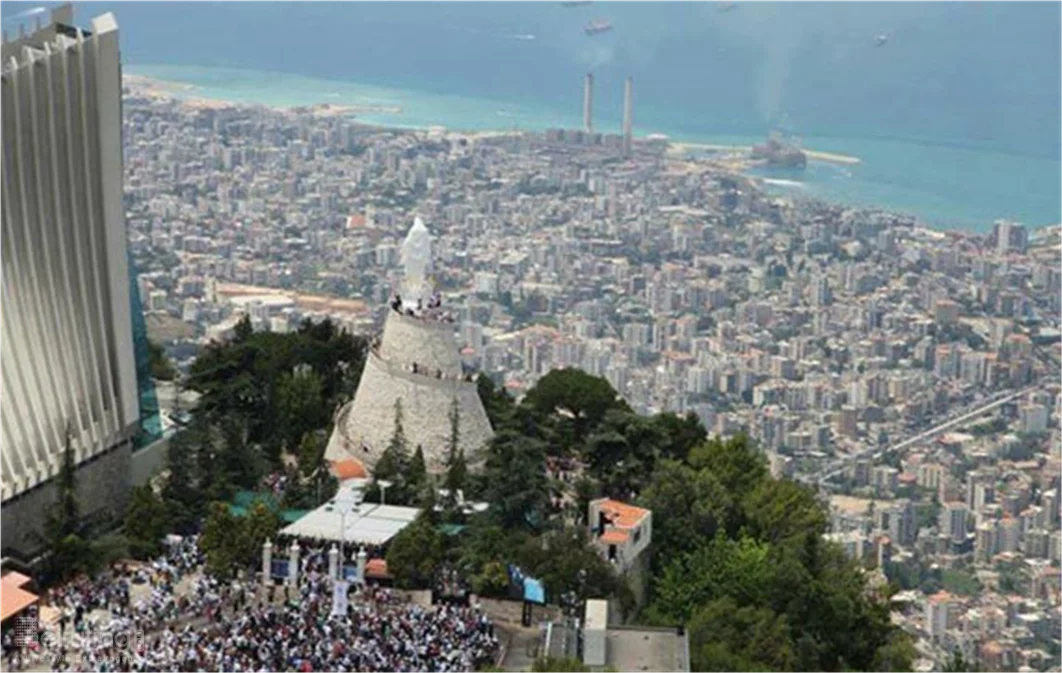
(69, 371)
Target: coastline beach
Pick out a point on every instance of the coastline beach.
(949, 187)
(161, 88)
(831, 157)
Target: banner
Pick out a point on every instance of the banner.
(339, 598)
(279, 569)
(534, 592)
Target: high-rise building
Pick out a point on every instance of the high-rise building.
(953, 521)
(588, 104)
(69, 371)
(939, 614)
(628, 115)
(1009, 236)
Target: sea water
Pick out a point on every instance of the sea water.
(955, 117)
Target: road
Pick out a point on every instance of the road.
(835, 467)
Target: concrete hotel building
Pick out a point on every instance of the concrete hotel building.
(69, 371)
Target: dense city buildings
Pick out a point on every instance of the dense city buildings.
(911, 374)
(70, 375)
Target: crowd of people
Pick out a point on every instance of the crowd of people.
(303, 635)
(430, 309)
(233, 626)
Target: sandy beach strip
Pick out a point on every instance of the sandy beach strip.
(830, 157)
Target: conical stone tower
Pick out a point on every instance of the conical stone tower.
(416, 361)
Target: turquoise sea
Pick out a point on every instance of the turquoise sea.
(955, 114)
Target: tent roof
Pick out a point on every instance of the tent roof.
(370, 524)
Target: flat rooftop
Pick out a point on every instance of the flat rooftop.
(628, 649)
(645, 649)
(370, 523)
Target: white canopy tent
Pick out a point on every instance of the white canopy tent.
(364, 522)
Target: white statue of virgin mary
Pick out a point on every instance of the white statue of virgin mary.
(416, 258)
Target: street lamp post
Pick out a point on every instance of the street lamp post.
(346, 506)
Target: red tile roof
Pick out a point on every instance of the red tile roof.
(621, 514)
(376, 567)
(13, 598)
(349, 468)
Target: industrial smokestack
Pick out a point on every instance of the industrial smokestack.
(588, 104)
(628, 112)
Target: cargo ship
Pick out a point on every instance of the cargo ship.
(597, 26)
(781, 153)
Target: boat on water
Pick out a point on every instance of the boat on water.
(725, 6)
(575, 3)
(781, 153)
(597, 26)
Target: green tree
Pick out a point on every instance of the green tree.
(415, 553)
(223, 541)
(146, 522)
(517, 487)
(778, 510)
(741, 570)
(455, 480)
(231, 542)
(697, 505)
(240, 465)
(496, 402)
(453, 441)
(261, 523)
(492, 581)
(896, 654)
(561, 557)
(161, 367)
(243, 330)
(300, 405)
(574, 395)
(312, 483)
(621, 453)
(394, 464)
(723, 635)
(586, 490)
(63, 528)
(733, 461)
(680, 434)
(182, 499)
(417, 473)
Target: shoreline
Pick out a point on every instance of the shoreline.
(830, 157)
(873, 189)
(161, 88)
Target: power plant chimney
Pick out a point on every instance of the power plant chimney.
(628, 112)
(588, 104)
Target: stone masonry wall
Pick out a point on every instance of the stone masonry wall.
(428, 343)
(103, 485)
(426, 402)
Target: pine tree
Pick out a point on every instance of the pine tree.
(63, 523)
(68, 513)
(454, 481)
(180, 495)
(398, 449)
(394, 465)
(455, 432)
(456, 469)
(417, 476)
